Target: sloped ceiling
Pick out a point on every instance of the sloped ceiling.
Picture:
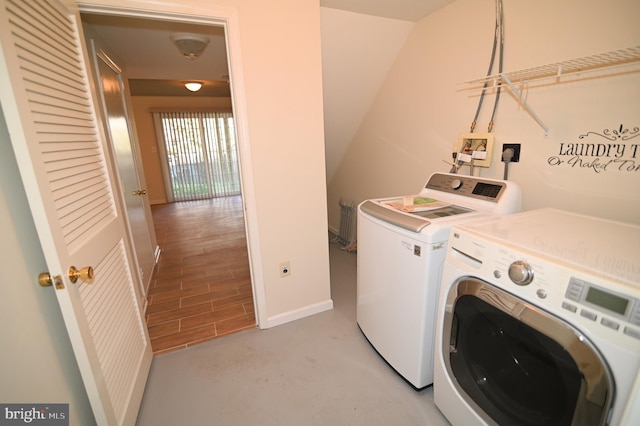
(405, 10)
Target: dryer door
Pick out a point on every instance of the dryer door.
(520, 365)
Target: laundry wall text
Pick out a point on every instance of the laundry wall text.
(606, 151)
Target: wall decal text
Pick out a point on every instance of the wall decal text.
(615, 153)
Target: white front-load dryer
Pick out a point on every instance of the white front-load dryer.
(539, 322)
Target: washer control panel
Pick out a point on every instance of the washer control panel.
(468, 186)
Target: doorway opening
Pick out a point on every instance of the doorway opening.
(115, 29)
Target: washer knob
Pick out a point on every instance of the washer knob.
(456, 183)
(521, 272)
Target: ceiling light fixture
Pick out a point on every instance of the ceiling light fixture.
(190, 45)
(193, 86)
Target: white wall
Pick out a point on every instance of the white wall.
(422, 107)
(283, 83)
(37, 363)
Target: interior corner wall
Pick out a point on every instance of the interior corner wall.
(282, 64)
(414, 123)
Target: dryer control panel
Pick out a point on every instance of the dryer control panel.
(594, 304)
(611, 309)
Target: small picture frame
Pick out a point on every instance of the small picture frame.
(470, 142)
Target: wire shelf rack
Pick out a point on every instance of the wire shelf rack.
(615, 58)
(575, 67)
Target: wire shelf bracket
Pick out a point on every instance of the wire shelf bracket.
(524, 103)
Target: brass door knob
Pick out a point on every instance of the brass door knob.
(85, 273)
(45, 280)
(139, 192)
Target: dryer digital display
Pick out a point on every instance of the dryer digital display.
(586, 293)
(607, 300)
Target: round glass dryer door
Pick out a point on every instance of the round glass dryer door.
(520, 365)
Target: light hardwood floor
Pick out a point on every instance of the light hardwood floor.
(201, 288)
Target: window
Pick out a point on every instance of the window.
(200, 155)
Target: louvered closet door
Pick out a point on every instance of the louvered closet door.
(50, 115)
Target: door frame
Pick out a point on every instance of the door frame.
(227, 18)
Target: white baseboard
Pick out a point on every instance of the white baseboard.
(298, 314)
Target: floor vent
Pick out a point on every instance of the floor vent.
(347, 233)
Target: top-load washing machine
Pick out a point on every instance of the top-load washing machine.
(539, 322)
(401, 248)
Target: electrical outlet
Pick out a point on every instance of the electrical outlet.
(285, 268)
(516, 151)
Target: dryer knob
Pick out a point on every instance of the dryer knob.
(456, 184)
(521, 272)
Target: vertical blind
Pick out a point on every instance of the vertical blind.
(200, 155)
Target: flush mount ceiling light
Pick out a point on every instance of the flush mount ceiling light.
(193, 86)
(190, 45)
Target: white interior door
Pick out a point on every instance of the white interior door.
(45, 95)
(109, 76)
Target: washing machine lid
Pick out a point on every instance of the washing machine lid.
(444, 196)
(392, 211)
